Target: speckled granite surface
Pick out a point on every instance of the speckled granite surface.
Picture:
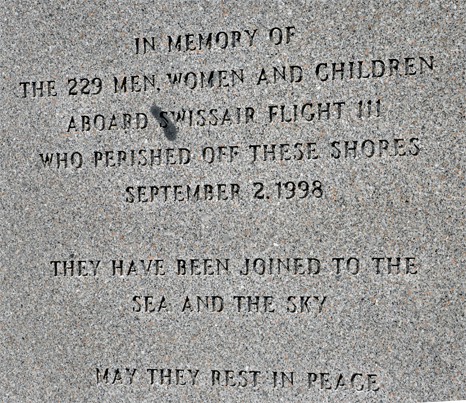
(232, 202)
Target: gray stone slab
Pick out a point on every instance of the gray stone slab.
(232, 201)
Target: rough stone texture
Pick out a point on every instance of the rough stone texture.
(406, 330)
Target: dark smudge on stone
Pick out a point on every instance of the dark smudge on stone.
(170, 129)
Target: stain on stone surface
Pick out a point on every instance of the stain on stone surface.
(170, 129)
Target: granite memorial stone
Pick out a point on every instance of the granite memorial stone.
(232, 201)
